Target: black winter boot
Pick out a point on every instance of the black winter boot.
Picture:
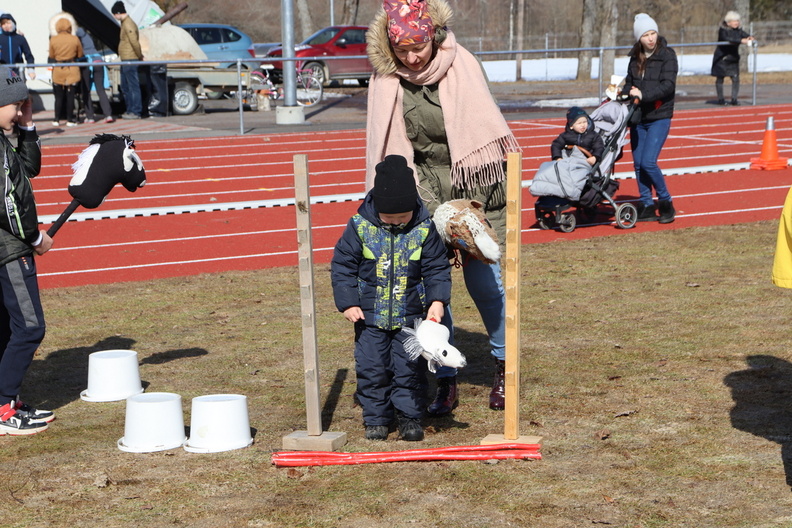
(447, 397)
(410, 429)
(497, 398)
(667, 212)
(647, 213)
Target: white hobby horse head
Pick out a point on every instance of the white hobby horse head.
(430, 340)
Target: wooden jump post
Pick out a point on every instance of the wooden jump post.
(313, 439)
(511, 284)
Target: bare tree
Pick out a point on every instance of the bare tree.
(587, 27)
(305, 20)
(350, 13)
(610, 23)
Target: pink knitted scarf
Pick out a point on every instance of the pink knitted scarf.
(478, 136)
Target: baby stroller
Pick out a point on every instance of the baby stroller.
(570, 185)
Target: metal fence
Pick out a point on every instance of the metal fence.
(774, 33)
(240, 72)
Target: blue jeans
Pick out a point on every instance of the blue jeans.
(485, 287)
(646, 142)
(130, 87)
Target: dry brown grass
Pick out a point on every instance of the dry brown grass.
(636, 351)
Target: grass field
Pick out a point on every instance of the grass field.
(656, 366)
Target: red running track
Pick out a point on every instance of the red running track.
(218, 204)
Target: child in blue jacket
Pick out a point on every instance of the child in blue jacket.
(390, 267)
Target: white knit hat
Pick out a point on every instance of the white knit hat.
(643, 23)
(731, 15)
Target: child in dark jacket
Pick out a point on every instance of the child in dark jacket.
(21, 316)
(579, 132)
(390, 267)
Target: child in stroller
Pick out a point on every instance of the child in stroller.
(579, 132)
(579, 178)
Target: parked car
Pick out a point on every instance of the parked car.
(223, 43)
(262, 48)
(333, 41)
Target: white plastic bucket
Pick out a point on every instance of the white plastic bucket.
(113, 375)
(219, 422)
(154, 422)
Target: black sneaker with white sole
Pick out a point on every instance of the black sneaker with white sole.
(13, 424)
(34, 415)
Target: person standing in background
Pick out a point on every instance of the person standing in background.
(64, 46)
(93, 76)
(129, 50)
(726, 60)
(14, 48)
(651, 78)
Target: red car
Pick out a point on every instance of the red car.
(334, 41)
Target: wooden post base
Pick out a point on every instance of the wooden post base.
(302, 441)
(501, 439)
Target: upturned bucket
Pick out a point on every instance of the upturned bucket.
(154, 422)
(113, 375)
(218, 422)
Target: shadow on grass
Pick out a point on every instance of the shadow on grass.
(762, 396)
(59, 378)
(333, 397)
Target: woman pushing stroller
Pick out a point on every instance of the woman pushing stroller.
(651, 78)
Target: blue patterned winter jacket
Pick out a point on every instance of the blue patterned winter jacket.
(392, 274)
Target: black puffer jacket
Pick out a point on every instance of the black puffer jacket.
(19, 221)
(726, 59)
(589, 140)
(657, 84)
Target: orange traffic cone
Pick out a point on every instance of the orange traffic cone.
(769, 159)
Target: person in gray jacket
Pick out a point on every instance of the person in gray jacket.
(93, 76)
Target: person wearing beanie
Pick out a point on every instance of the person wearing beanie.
(425, 96)
(22, 324)
(579, 132)
(129, 50)
(726, 59)
(14, 48)
(389, 268)
(651, 80)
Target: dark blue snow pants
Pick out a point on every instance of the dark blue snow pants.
(387, 381)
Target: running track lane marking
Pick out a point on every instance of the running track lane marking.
(317, 250)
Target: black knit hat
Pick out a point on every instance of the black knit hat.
(573, 114)
(118, 8)
(394, 186)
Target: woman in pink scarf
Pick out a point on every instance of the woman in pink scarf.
(429, 101)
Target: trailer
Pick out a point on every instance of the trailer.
(187, 82)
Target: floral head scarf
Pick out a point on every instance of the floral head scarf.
(408, 22)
